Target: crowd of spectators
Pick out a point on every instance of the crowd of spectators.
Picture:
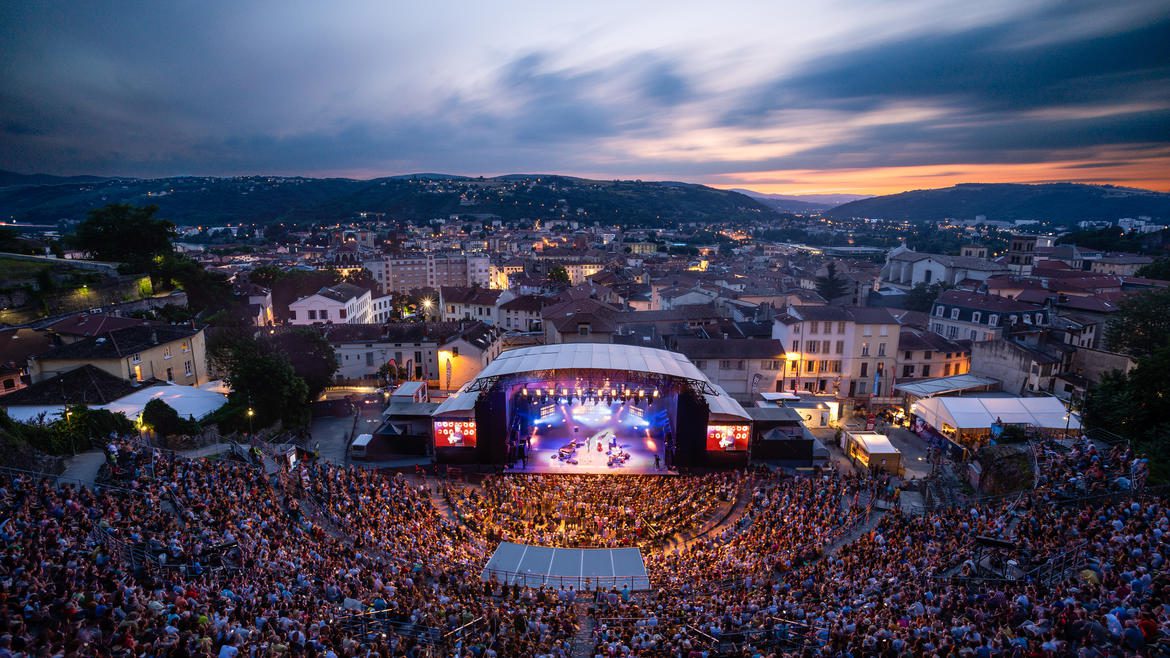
(588, 511)
(218, 558)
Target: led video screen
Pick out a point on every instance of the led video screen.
(728, 438)
(454, 433)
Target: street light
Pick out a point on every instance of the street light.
(250, 414)
(69, 429)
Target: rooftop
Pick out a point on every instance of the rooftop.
(121, 342)
(87, 384)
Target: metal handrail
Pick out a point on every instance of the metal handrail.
(44, 475)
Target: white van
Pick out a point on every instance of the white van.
(360, 446)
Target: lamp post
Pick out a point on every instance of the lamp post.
(69, 429)
(251, 413)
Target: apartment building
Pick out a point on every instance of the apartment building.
(847, 351)
(173, 353)
(343, 303)
(446, 355)
(963, 315)
(521, 313)
(925, 355)
(906, 268)
(464, 303)
(415, 272)
(741, 366)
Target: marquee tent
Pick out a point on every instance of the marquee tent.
(980, 413)
(186, 400)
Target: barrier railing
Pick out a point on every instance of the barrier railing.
(580, 583)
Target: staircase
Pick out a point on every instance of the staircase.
(583, 641)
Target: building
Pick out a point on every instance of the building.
(1021, 253)
(259, 301)
(846, 351)
(17, 345)
(415, 272)
(443, 354)
(80, 326)
(172, 353)
(973, 251)
(742, 367)
(521, 313)
(382, 309)
(963, 315)
(468, 303)
(1120, 264)
(343, 303)
(584, 320)
(925, 354)
(500, 275)
(906, 268)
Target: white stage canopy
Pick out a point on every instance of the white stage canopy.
(592, 356)
(969, 412)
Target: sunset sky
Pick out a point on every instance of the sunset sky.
(828, 96)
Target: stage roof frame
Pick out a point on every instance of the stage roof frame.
(942, 385)
(547, 359)
(593, 356)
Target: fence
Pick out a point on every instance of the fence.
(580, 583)
(379, 623)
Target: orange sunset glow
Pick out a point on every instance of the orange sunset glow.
(1151, 173)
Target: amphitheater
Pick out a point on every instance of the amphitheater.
(172, 556)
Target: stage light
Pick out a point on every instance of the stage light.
(565, 391)
(524, 392)
(655, 392)
(641, 393)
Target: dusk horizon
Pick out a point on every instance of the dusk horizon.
(791, 100)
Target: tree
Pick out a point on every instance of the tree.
(831, 286)
(1142, 324)
(163, 419)
(1159, 269)
(921, 297)
(125, 234)
(262, 379)
(311, 356)
(362, 278)
(1135, 406)
(558, 274)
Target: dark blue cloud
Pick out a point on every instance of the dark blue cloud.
(989, 69)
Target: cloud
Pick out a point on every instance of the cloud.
(927, 87)
(991, 68)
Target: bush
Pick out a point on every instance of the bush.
(165, 421)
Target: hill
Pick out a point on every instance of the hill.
(268, 199)
(11, 178)
(1063, 203)
(800, 203)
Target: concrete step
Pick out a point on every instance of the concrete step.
(583, 641)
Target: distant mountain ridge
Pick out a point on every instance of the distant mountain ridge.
(800, 203)
(419, 197)
(1064, 203)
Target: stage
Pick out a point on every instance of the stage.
(566, 440)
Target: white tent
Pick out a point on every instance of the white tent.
(981, 413)
(186, 400)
